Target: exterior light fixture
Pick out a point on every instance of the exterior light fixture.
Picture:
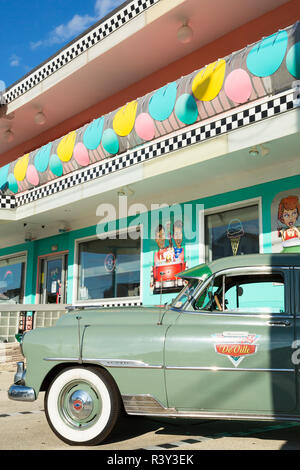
(260, 150)
(40, 118)
(253, 152)
(185, 33)
(8, 136)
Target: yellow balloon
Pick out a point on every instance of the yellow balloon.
(21, 167)
(208, 83)
(125, 118)
(66, 147)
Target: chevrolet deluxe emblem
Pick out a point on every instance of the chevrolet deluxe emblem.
(236, 346)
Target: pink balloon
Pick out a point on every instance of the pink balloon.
(144, 126)
(238, 86)
(32, 175)
(81, 154)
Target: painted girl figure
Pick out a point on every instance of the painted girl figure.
(288, 213)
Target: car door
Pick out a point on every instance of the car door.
(237, 357)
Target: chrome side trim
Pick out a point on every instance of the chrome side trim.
(144, 404)
(147, 405)
(130, 364)
(227, 369)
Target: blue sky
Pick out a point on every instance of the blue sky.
(33, 30)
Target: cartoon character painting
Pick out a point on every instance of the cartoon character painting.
(288, 213)
(169, 259)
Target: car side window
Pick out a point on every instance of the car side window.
(255, 294)
(244, 294)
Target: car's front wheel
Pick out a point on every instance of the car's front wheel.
(82, 405)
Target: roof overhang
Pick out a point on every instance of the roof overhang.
(64, 88)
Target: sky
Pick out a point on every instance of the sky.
(31, 31)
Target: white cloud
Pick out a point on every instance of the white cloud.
(102, 7)
(14, 61)
(77, 24)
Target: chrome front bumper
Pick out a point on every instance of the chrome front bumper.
(18, 391)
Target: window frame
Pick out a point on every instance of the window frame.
(111, 300)
(17, 255)
(284, 270)
(226, 208)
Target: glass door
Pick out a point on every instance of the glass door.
(53, 280)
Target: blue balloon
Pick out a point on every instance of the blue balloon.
(3, 176)
(12, 183)
(41, 160)
(266, 57)
(110, 141)
(93, 134)
(56, 165)
(293, 60)
(162, 102)
(186, 109)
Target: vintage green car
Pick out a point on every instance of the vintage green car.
(226, 348)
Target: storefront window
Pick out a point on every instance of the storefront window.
(109, 268)
(12, 272)
(233, 232)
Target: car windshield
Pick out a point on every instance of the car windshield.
(185, 295)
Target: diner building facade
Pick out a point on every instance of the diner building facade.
(165, 136)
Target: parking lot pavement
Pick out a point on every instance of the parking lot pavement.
(23, 426)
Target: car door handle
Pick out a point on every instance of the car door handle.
(283, 323)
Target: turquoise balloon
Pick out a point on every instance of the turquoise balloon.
(186, 109)
(162, 102)
(56, 165)
(3, 176)
(266, 57)
(293, 60)
(41, 160)
(12, 183)
(93, 134)
(110, 141)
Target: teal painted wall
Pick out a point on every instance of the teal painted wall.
(66, 241)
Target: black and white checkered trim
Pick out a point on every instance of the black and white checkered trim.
(92, 37)
(8, 202)
(237, 120)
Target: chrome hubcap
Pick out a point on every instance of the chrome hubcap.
(80, 405)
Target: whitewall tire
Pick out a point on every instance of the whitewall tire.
(82, 405)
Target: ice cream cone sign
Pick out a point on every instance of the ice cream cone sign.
(234, 232)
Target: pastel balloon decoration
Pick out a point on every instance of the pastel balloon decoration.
(93, 134)
(162, 103)
(186, 109)
(41, 160)
(21, 168)
(66, 146)
(208, 83)
(238, 86)
(3, 176)
(32, 175)
(56, 166)
(110, 141)
(293, 60)
(81, 154)
(12, 183)
(124, 119)
(144, 126)
(266, 57)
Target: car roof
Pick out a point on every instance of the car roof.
(270, 259)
